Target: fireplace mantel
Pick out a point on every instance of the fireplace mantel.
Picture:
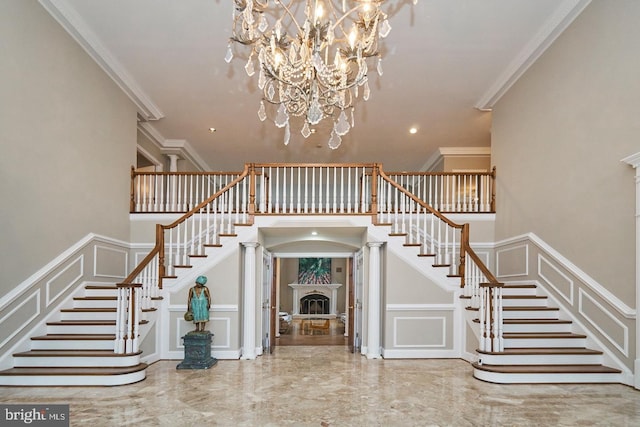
(329, 290)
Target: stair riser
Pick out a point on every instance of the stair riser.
(87, 315)
(100, 293)
(544, 342)
(528, 302)
(72, 380)
(519, 292)
(94, 304)
(80, 329)
(537, 327)
(76, 361)
(543, 359)
(531, 314)
(72, 344)
(501, 378)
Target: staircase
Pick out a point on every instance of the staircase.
(78, 348)
(539, 347)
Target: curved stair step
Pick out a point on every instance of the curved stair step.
(73, 376)
(75, 358)
(567, 374)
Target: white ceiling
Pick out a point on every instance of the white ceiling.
(442, 60)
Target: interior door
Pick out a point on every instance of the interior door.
(267, 286)
(273, 311)
(357, 300)
(350, 305)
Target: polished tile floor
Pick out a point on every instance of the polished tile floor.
(328, 386)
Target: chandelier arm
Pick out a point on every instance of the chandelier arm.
(293, 18)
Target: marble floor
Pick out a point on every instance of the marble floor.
(328, 386)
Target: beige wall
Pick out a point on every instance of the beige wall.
(67, 136)
(557, 139)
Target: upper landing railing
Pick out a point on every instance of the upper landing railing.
(215, 203)
(291, 188)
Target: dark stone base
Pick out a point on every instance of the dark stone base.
(197, 351)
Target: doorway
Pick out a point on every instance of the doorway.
(319, 315)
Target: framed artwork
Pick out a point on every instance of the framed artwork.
(316, 271)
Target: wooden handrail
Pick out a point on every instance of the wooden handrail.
(417, 200)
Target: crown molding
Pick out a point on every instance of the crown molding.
(442, 152)
(565, 14)
(180, 147)
(71, 21)
(633, 160)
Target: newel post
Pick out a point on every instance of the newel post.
(132, 202)
(374, 191)
(493, 189)
(160, 242)
(251, 209)
(464, 242)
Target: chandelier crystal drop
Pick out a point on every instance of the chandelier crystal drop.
(312, 56)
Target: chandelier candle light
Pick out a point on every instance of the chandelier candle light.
(311, 70)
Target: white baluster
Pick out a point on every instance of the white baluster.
(314, 207)
(328, 199)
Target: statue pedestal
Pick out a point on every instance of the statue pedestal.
(197, 351)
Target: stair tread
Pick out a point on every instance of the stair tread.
(95, 298)
(542, 335)
(72, 353)
(89, 310)
(543, 351)
(521, 286)
(83, 322)
(529, 308)
(524, 297)
(536, 321)
(531, 321)
(101, 287)
(548, 369)
(80, 337)
(57, 371)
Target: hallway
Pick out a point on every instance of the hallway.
(312, 332)
(327, 386)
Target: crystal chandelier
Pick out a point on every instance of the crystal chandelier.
(312, 57)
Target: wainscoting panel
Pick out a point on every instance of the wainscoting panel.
(513, 261)
(419, 332)
(604, 321)
(556, 279)
(21, 313)
(110, 262)
(64, 279)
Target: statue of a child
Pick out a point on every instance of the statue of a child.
(199, 303)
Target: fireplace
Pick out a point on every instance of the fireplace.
(315, 300)
(314, 304)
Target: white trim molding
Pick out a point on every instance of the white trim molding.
(179, 147)
(634, 161)
(78, 29)
(565, 14)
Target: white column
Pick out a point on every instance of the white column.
(249, 302)
(296, 301)
(634, 161)
(373, 317)
(173, 162)
(334, 301)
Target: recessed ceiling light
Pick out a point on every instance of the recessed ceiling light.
(413, 130)
(314, 233)
(212, 130)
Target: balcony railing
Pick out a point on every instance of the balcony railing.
(311, 188)
(218, 202)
